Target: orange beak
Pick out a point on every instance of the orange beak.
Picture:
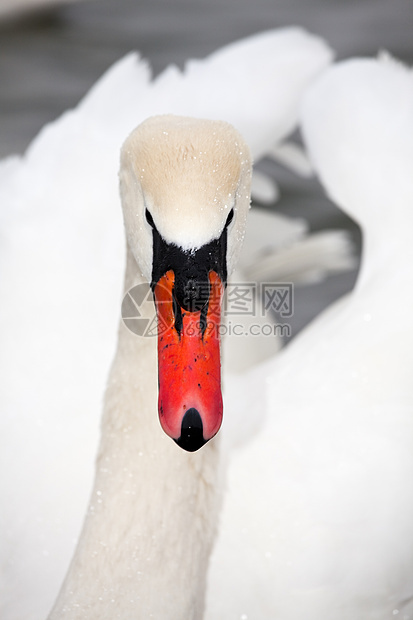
(189, 364)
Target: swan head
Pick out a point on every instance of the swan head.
(185, 188)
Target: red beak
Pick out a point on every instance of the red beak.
(189, 365)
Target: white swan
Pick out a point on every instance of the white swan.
(145, 554)
(318, 515)
(61, 256)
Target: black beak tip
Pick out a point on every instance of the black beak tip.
(192, 437)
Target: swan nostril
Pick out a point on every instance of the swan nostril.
(192, 437)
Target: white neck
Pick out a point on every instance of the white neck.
(146, 540)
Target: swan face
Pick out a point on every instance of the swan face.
(185, 186)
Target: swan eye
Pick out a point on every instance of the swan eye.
(149, 218)
(229, 218)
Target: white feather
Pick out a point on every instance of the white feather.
(62, 263)
(318, 516)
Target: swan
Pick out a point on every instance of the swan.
(62, 265)
(181, 180)
(318, 511)
(185, 188)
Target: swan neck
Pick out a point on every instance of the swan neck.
(148, 496)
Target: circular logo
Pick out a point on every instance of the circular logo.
(138, 311)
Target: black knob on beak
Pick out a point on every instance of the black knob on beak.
(192, 437)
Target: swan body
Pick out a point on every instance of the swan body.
(275, 249)
(62, 263)
(318, 513)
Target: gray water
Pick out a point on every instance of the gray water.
(50, 58)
